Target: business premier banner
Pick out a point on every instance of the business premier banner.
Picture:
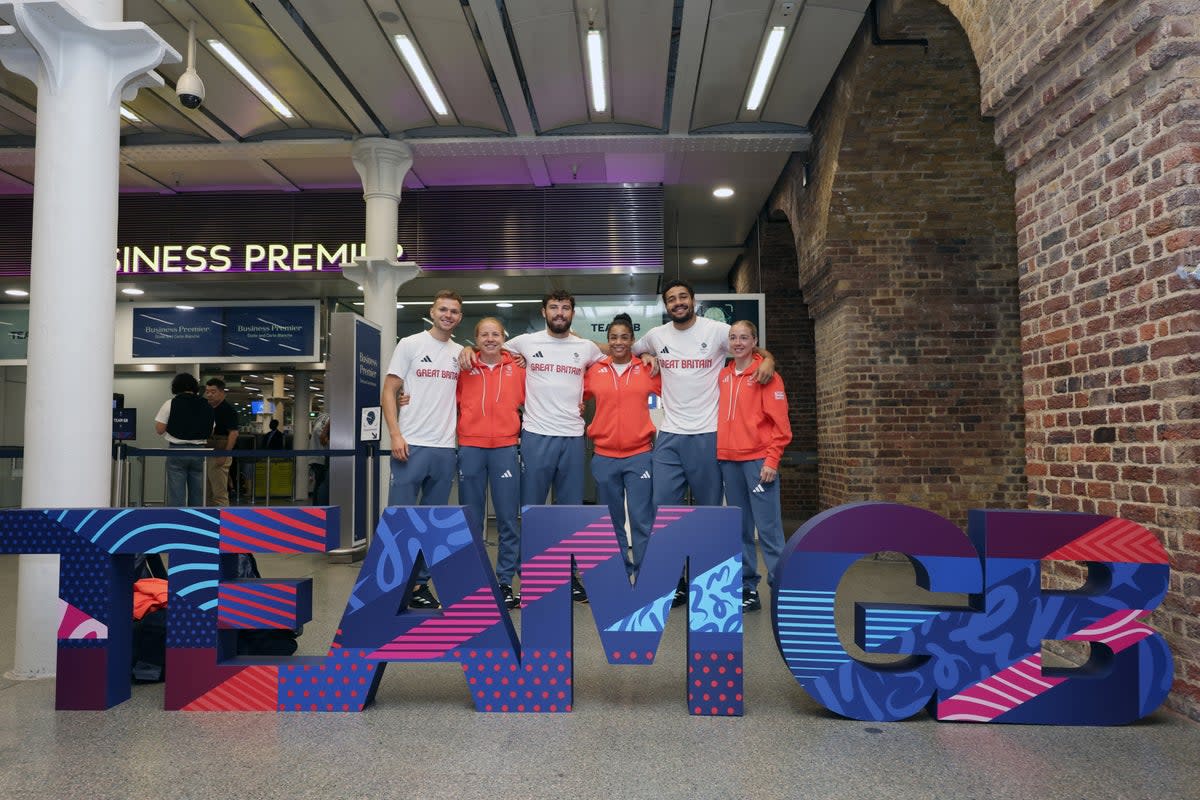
(230, 331)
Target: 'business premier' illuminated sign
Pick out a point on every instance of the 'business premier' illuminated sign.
(183, 259)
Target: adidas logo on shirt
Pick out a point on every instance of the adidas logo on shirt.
(426, 360)
(506, 474)
(646, 475)
(665, 349)
(759, 489)
(538, 354)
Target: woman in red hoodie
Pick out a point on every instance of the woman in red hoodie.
(752, 430)
(623, 436)
(489, 395)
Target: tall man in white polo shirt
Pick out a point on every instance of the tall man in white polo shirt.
(691, 351)
(424, 366)
(552, 440)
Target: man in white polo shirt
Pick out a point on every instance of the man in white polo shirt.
(424, 366)
(691, 351)
(552, 440)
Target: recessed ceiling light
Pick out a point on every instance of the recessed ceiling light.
(399, 305)
(488, 286)
(722, 192)
(359, 288)
(132, 291)
(699, 261)
(595, 57)
(766, 67)
(503, 305)
(186, 308)
(16, 293)
(416, 65)
(257, 84)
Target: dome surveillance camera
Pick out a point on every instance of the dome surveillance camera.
(190, 89)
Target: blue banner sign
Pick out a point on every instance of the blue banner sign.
(233, 331)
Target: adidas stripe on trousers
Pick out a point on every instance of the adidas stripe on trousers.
(622, 482)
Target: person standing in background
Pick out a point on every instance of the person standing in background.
(224, 435)
(274, 438)
(185, 421)
(752, 431)
(623, 435)
(489, 396)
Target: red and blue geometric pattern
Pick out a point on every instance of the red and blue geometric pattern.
(981, 662)
(97, 548)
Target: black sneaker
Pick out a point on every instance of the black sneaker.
(511, 600)
(681, 594)
(578, 593)
(750, 601)
(422, 597)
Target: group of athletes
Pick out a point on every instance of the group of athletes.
(724, 429)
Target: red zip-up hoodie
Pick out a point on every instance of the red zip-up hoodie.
(488, 399)
(752, 418)
(622, 426)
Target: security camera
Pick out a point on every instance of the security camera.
(190, 89)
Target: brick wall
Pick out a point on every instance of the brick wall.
(1097, 107)
(770, 266)
(907, 240)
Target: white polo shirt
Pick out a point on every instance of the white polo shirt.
(689, 362)
(554, 380)
(429, 369)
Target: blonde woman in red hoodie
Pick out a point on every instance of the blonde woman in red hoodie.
(489, 394)
(752, 430)
(623, 436)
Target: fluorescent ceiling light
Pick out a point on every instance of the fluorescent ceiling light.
(489, 286)
(399, 305)
(16, 293)
(186, 308)
(416, 65)
(766, 68)
(699, 261)
(504, 305)
(129, 115)
(248, 75)
(722, 192)
(131, 290)
(595, 52)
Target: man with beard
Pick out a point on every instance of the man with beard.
(691, 352)
(424, 366)
(552, 441)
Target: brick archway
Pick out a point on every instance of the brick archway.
(904, 226)
(1095, 107)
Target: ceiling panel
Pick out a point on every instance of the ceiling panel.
(212, 176)
(577, 168)
(547, 37)
(318, 173)
(639, 49)
(11, 184)
(449, 46)
(473, 171)
(725, 70)
(818, 42)
(351, 35)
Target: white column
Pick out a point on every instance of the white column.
(381, 165)
(82, 66)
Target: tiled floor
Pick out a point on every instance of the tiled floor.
(629, 736)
